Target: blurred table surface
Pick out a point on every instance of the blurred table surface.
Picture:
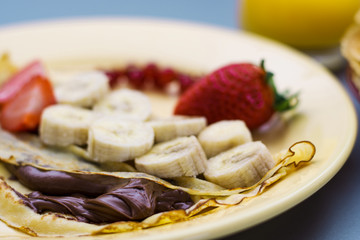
(333, 212)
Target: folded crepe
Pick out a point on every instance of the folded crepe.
(53, 192)
(350, 44)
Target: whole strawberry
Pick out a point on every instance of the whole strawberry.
(237, 91)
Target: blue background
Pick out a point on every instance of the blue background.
(221, 13)
(332, 213)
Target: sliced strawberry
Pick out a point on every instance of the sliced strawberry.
(23, 111)
(11, 87)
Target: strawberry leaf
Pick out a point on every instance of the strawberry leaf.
(282, 102)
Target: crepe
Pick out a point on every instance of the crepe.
(350, 44)
(27, 150)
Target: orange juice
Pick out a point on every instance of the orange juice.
(305, 24)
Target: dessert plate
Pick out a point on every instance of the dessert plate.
(325, 115)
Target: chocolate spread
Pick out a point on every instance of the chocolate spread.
(96, 198)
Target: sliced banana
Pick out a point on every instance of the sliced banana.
(7, 68)
(221, 136)
(117, 141)
(176, 158)
(125, 104)
(63, 125)
(241, 166)
(83, 89)
(171, 128)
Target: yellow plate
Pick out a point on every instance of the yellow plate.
(325, 115)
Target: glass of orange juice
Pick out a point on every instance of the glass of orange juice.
(315, 26)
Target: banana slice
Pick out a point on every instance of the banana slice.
(7, 68)
(176, 158)
(125, 104)
(83, 89)
(171, 128)
(118, 141)
(63, 125)
(241, 166)
(221, 136)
